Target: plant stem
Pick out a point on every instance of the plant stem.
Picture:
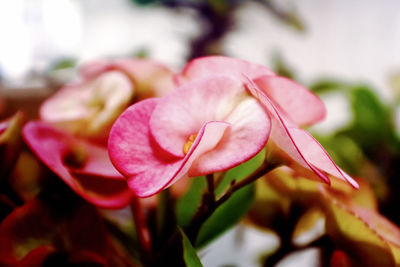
(284, 227)
(166, 220)
(210, 204)
(142, 231)
(211, 187)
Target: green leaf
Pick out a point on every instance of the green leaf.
(178, 251)
(227, 215)
(289, 15)
(282, 68)
(240, 172)
(187, 205)
(369, 111)
(144, 2)
(63, 63)
(328, 85)
(142, 52)
(371, 121)
(189, 253)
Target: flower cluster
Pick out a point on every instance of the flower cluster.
(222, 113)
(128, 129)
(72, 134)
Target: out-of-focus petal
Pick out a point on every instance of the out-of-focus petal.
(211, 65)
(37, 256)
(361, 230)
(10, 143)
(39, 228)
(150, 77)
(97, 162)
(94, 68)
(96, 182)
(89, 108)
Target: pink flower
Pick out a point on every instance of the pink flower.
(207, 125)
(149, 77)
(288, 105)
(84, 167)
(88, 108)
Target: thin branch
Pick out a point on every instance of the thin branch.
(208, 207)
(287, 16)
(211, 187)
(262, 170)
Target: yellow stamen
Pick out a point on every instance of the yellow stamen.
(97, 103)
(189, 143)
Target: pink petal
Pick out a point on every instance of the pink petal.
(207, 139)
(135, 154)
(68, 104)
(211, 65)
(297, 144)
(316, 155)
(97, 162)
(383, 227)
(150, 77)
(247, 135)
(99, 185)
(94, 68)
(296, 101)
(214, 98)
(148, 168)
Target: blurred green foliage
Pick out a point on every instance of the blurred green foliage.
(368, 146)
(63, 63)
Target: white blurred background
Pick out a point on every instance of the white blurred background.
(355, 40)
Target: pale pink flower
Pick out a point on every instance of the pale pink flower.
(289, 106)
(149, 77)
(207, 125)
(89, 107)
(84, 167)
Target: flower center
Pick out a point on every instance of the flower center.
(97, 103)
(189, 143)
(75, 157)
